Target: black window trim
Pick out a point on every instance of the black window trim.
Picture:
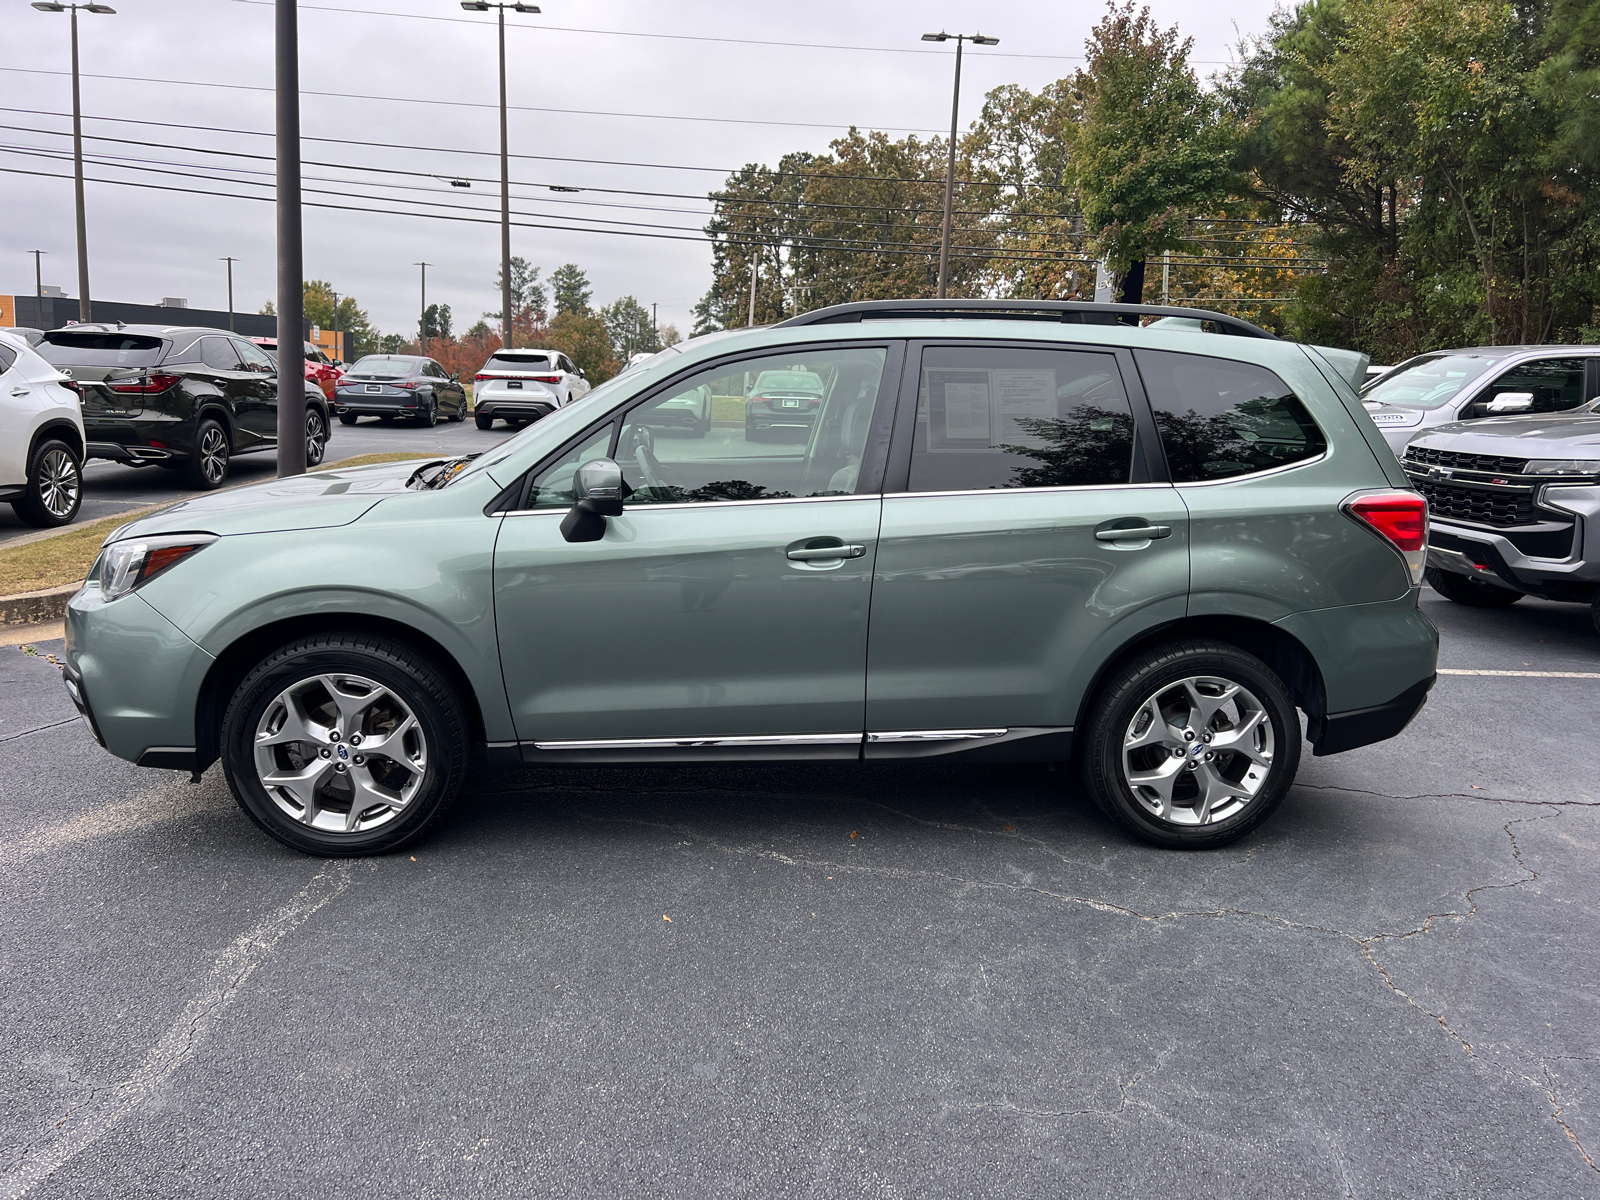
(1148, 466)
(513, 499)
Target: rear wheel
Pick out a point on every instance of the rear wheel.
(483, 420)
(752, 434)
(342, 745)
(1471, 592)
(459, 412)
(54, 488)
(207, 467)
(347, 418)
(429, 416)
(316, 436)
(1191, 745)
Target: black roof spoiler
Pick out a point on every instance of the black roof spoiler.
(1071, 312)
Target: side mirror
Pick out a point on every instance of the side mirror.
(1510, 402)
(455, 377)
(599, 488)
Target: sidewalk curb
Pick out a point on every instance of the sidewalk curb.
(33, 608)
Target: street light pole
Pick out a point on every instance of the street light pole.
(338, 346)
(85, 311)
(38, 284)
(291, 271)
(977, 39)
(507, 317)
(230, 260)
(422, 325)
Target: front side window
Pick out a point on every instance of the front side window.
(1219, 418)
(552, 487)
(729, 433)
(1556, 385)
(998, 417)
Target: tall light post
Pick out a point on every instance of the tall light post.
(230, 260)
(38, 283)
(55, 6)
(977, 39)
(291, 269)
(338, 346)
(422, 323)
(507, 334)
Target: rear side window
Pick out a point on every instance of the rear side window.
(8, 357)
(997, 417)
(62, 348)
(1219, 418)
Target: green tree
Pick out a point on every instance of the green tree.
(1150, 148)
(569, 287)
(392, 343)
(584, 338)
(359, 335)
(529, 300)
(628, 323)
(435, 321)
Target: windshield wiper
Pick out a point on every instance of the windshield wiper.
(448, 469)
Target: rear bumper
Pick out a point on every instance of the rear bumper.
(134, 454)
(1363, 726)
(375, 407)
(495, 406)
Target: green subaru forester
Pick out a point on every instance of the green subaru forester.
(989, 531)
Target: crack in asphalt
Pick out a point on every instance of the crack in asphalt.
(40, 729)
(1365, 943)
(1328, 787)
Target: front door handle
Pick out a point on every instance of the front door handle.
(19, 391)
(812, 553)
(1137, 532)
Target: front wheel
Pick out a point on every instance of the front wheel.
(1191, 745)
(207, 467)
(54, 490)
(1471, 592)
(342, 745)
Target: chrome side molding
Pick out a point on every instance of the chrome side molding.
(935, 735)
(697, 743)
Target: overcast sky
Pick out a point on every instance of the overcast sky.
(754, 103)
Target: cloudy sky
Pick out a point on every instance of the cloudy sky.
(671, 86)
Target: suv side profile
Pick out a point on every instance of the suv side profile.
(186, 399)
(1012, 533)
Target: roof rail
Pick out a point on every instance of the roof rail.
(1071, 312)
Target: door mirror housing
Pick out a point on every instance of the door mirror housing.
(455, 377)
(1510, 402)
(600, 490)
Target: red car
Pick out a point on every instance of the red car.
(320, 369)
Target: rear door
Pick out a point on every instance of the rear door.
(1027, 533)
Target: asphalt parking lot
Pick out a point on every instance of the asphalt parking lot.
(805, 982)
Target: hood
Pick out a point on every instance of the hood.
(1394, 416)
(318, 500)
(1535, 436)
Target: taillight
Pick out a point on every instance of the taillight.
(1401, 519)
(407, 384)
(547, 379)
(144, 385)
(758, 399)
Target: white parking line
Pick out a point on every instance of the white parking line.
(1527, 674)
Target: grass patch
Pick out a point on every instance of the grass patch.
(66, 557)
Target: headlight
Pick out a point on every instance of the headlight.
(125, 565)
(1562, 466)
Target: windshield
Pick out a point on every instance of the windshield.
(62, 349)
(518, 362)
(376, 366)
(1428, 381)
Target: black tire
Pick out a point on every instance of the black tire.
(1148, 676)
(429, 417)
(699, 429)
(1471, 592)
(54, 488)
(483, 420)
(752, 434)
(347, 418)
(459, 412)
(411, 677)
(316, 437)
(207, 467)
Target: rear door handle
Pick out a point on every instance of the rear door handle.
(812, 553)
(1135, 533)
(20, 391)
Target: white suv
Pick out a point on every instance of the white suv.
(520, 386)
(41, 437)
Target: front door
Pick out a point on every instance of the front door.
(257, 394)
(726, 609)
(1023, 540)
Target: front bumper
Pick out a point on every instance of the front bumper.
(1490, 554)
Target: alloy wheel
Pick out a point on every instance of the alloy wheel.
(59, 482)
(213, 451)
(1198, 751)
(316, 437)
(340, 753)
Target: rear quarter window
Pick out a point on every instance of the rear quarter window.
(1219, 419)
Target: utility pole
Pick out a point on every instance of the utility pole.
(977, 39)
(85, 312)
(507, 330)
(655, 326)
(38, 285)
(1166, 275)
(291, 269)
(422, 325)
(230, 260)
(338, 346)
(755, 264)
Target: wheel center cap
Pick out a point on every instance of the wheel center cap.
(1195, 750)
(342, 752)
